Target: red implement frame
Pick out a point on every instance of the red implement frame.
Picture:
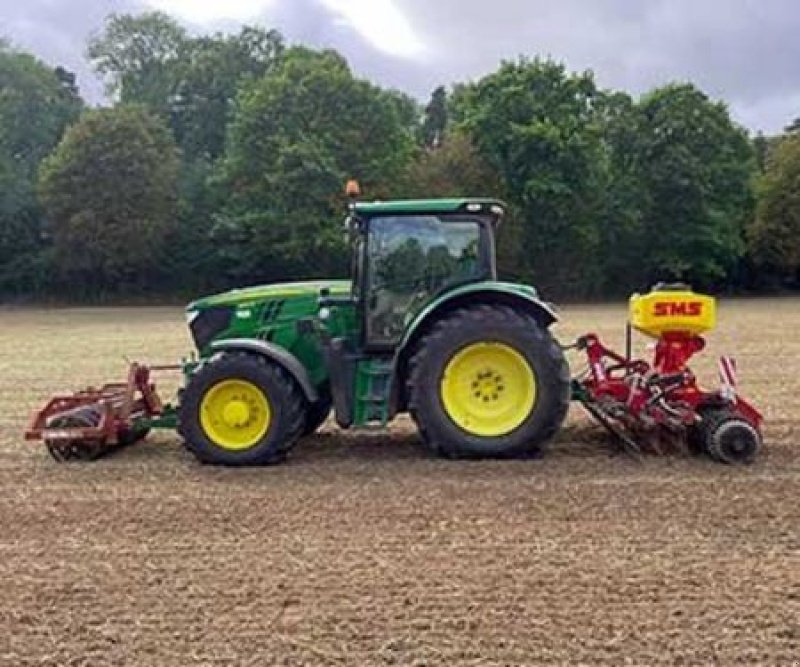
(657, 404)
(640, 386)
(118, 404)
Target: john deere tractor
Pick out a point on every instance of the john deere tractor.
(423, 327)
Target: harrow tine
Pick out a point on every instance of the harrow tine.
(627, 444)
(56, 452)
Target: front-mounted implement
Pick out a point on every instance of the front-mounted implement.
(92, 422)
(422, 327)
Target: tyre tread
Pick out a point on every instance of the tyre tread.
(293, 415)
(476, 317)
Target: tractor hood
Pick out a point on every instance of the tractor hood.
(243, 313)
(247, 295)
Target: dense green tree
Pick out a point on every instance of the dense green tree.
(775, 235)
(761, 146)
(434, 124)
(794, 126)
(606, 194)
(453, 170)
(206, 82)
(619, 219)
(23, 267)
(298, 134)
(536, 125)
(407, 109)
(36, 103)
(109, 191)
(696, 167)
(137, 55)
(192, 81)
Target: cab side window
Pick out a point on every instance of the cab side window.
(410, 260)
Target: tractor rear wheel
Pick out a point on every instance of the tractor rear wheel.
(487, 381)
(241, 409)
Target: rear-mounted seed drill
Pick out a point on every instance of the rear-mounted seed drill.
(658, 405)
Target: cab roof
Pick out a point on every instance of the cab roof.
(486, 206)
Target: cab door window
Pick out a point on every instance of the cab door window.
(410, 259)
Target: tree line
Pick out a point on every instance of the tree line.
(222, 160)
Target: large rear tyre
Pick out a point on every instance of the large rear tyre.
(487, 381)
(241, 409)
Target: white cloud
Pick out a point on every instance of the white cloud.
(744, 52)
(206, 11)
(382, 24)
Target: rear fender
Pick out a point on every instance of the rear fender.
(518, 297)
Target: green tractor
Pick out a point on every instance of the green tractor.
(423, 327)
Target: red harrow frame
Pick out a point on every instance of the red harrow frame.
(89, 423)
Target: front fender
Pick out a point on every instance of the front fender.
(279, 355)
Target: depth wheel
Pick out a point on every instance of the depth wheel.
(76, 450)
(487, 381)
(731, 439)
(241, 409)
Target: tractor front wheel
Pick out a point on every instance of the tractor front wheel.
(241, 409)
(487, 381)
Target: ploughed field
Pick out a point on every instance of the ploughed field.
(364, 550)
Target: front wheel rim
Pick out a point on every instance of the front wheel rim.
(235, 414)
(488, 389)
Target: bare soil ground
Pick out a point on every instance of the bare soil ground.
(364, 550)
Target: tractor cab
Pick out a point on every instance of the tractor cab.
(408, 253)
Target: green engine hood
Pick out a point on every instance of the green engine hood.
(274, 291)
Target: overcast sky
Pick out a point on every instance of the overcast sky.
(746, 52)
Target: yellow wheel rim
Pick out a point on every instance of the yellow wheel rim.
(488, 389)
(235, 414)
